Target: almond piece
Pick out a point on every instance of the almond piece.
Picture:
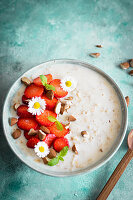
(100, 150)
(57, 107)
(16, 105)
(124, 65)
(32, 132)
(25, 80)
(16, 134)
(71, 118)
(41, 135)
(52, 154)
(45, 160)
(13, 121)
(127, 100)
(74, 149)
(67, 125)
(83, 133)
(95, 55)
(69, 98)
(50, 94)
(131, 63)
(45, 129)
(99, 46)
(131, 72)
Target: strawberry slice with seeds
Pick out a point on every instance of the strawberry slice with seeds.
(49, 139)
(43, 118)
(27, 123)
(60, 143)
(37, 81)
(33, 91)
(32, 142)
(59, 92)
(50, 104)
(22, 111)
(58, 133)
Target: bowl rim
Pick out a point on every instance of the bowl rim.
(109, 79)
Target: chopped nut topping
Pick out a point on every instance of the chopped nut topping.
(127, 100)
(69, 98)
(16, 105)
(62, 108)
(25, 80)
(124, 65)
(99, 46)
(32, 132)
(45, 129)
(95, 55)
(41, 135)
(100, 150)
(45, 160)
(71, 118)
(52, 154)
(83, 133)
(57, 107)
(16, 134)
(13, 121)
(67, 125)
(131, 63)
(50, 94)
(74, 149)
(131, 72)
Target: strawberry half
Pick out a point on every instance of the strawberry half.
(24, 99)
(37, 81)
(49, 139)
(59, 92)
(32, 142)
(53, 130)
(22, 111)
(43, 118)
(50, 104)
(60, 143)
(33, 91)
(27, 123)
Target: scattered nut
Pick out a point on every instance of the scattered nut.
(16, 105)
(69, 98)
(25, 80)
(67, 125)
(52, 154)
(83, 133)
(57, 107)
(74, 149)
(16, 134)
(131, 63)
(95, 55)
(62, 108)
(13, 121)
(71, 118)
(41, 135)
(50, 94)
(45, 129)
(100, 150)
(124, 65)
(99, 46)
(131, 72)
(127, 100)
(45, 160)
(32, 132)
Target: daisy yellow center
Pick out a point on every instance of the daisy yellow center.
(68, 83)
(41, 149)
(36, 105)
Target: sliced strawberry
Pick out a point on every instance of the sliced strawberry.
(29, 136)
(24, 99)
(22, 111)
(27, 123)
(32, 142)
(37, 81)
(33, 91)
(49, 139)
(50, 104)
(43, 118)
(59, 92)
(60, 143)
(53, 130)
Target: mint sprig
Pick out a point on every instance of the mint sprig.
(58, 124)
(44, 82)
(60, 156)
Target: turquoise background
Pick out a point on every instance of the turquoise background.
(32, 32)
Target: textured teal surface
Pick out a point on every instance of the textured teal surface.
(32, 32)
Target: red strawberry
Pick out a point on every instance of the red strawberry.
(49, 139)
(50, 104)
(22, 111)
(27, 123)
(32, 142)
(24, 99)
(53, 130)
(37, 81)
(43, 118)
(59, 92)
(60, 143)
(29, 136)
(33, 91)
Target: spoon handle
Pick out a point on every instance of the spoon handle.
(116, 175)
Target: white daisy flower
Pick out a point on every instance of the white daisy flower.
(41, 149)
(68, 83)
(36, 106)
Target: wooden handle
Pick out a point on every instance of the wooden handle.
(116, 175)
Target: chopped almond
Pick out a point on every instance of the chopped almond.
(41, 135)
(52, 154)
(13, 121)
(127, 100)
(25, 80)
(124, 65)
(83, 133)
(67, 125)
(57, 107)
(45, 129)
(95, 55)
(131, 63)
(69, 98)
(131, 72)
(50, 94)
(99, 46)
(74, 149)
(100, 150)
(16, 134)
(32, 132)
(45, 160)
(16, 105)
(71, 118)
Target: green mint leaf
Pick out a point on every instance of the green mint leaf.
(43, 79)
(63, 152)
(59, 126)
(61, 158)
(49, 87)
(53, 161)
(52, 119)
